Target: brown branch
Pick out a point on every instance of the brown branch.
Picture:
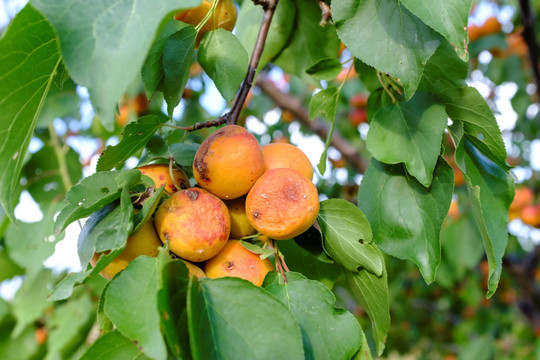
(201, 125)
(326, 13)
(294, 105)
(529, 35)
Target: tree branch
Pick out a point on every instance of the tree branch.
(529, 35)
(294, 105)
(326, 13)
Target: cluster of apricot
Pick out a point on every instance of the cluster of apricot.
(489, 27)
(524, 207)
(243, 189)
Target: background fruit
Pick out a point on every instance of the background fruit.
(194, 270)
(280, 155)
(228, 162)
(237, 261)
(358, 116)
(195, 222)
(282, 204)
(161, 175)
(240, 225)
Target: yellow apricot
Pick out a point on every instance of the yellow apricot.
(161, 175)
(144, 242)
(236, 261)
(195, 223)
(280, 155)
(240, 225)
(194, 270)
(282, 204)
(228, 162)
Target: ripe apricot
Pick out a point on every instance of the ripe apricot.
(453, 211)
(282, 204)
(161, 175)
(240, 225)
(530, 215)
(236, 261)
(279, 155)
(358, 101)
(224, 17)
(358, 116)
(523, 197)
(194, 270)
(195, 223)
(144, 242)
(228, 162)
(474, 32)
(491, 26)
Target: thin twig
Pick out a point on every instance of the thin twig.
(294, 105)
(326, 13)
(201, 125)
(529, 35)
(60, 153)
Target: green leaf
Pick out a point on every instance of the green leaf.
(61, 102)
(371, 28)
(152, 70)
(377, 100)
(311, 240)
(104, 45)
(347, 236)
(149, 206)
(8, 268)
(309, 41)
(325, 69)
(248, 24)
(131, 304)
(225, 60)
(230, 318)
(491, 191)
(105, 324)
(312, 305)
(30, 300)
(371, 291)
(113, 346)
(406, 217)
(177, 57)
(64, 288)
(134, 137)
(94, 192)
(29, 58)
(410, 133)
(364, 353)
(447, 18)
(444, 67)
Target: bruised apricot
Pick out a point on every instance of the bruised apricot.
(240, 225)
(195, 223)
(236, 261)
(282, 204)
(194, 270)
(224, 17)
(280, 155)
(161, 175)
(228, 162)
(144, 242)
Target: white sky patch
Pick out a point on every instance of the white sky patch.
(255, 126)
(535, 154)
(272, 117)
(211, 100)
(8, 288)
(27, 209)
(65, 256)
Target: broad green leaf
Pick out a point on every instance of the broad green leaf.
(30, 300)
(312, 305)
(347, 236)
(230, 318)
(491, 191)
(444, 67)
(69, 326)
(21, 347)
(131, 304)
(94, 192)
(61, 102)
(371, 291)
(467, 106)
(224, 60)
(325, 69)
(410, 133)
(368, 75)
(300, 260)
(182, 153)
(177, 57)
(311, 240)
(249, 21)
(134, 137)
(364, 353)
(104, 324)
(152, 70)
(448, 18)
(8, 268)
(406, 217)
(29, 58)
(114, 346)
(104, 44)
(372, 28)
(378, 99)
(64, 288)
(309, 41)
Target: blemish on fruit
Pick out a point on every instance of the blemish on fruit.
(166, 236)
(230, 266)
(264, 196)
(256, 214)
(192, 195)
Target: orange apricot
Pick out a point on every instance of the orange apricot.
(358, 101)
(282, 204)
(228, 162)
(144, 242)
(194, 270)
(240, 225)
(358, 116)
(161, 175)
(474, 32)
(491, 26)
(523, 196)
(530, 215)
(195, 223)
(453, 211)
(236, 261)
(279, 155)
(224, 17)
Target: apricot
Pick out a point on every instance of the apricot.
(491, 26)
(240, 225)
(144, 242)
(474, 32)
(279, 155)
(224, 17)
(195, 223)
(523, 196)
(194, 270)
(358, 116)
(236, 261)
(358, 101)
(228, 162)
(530, 215)
(282, 204)
(161, 175)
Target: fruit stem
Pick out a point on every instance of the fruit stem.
(171, 162)
(60, 152)
(208, 14)
(281, 267)
(385, 87)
